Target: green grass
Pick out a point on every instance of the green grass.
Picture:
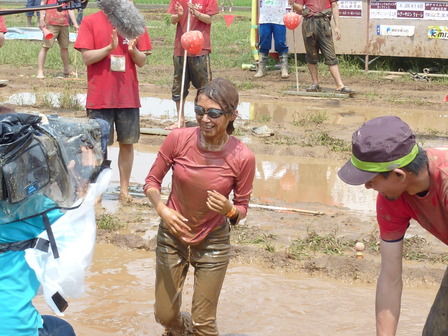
(108, 222)
(230, 45)
(329, 244)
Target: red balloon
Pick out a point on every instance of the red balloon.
(192, 41)
(292, 20)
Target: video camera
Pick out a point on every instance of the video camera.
(47, 162)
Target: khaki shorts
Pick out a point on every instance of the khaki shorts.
(317, 35)
(197, 72)
(60, 33)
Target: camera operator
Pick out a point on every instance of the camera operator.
(18, 280)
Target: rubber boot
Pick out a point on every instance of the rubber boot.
(284, 64)
(262, 65)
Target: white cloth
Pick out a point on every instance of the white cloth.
(273, 11)
(75, 234)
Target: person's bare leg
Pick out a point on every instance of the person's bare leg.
(125, 162)
(41, 61)
(314, 73)
(65, 61)
(334, 70)
(180, 117)
(28, 21)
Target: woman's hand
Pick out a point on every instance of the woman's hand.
(218, 203)
(175, 222)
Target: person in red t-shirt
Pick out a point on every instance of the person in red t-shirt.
(208, 163)
(57, 23)
(3, 30)
(412, 183)
(198, 70)
(318, 36)
(112, 91)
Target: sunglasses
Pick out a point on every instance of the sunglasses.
(211, 112)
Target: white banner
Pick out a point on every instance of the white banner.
(395, 30)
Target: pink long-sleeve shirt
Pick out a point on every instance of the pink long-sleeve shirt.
(195, 171)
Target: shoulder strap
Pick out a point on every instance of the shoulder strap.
(37, 243)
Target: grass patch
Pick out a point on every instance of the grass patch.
(324, 138)
(329, 244)
(310, 118)
(108, 222)
(248, 235)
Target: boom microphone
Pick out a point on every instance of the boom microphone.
(124, 16)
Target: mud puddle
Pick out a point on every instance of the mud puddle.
(333, 110)
(119, 300)
(288, 179)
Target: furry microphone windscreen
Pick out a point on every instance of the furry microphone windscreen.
(123, 15)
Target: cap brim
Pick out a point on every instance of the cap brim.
(354, 176)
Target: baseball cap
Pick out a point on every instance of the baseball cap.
(380, 145)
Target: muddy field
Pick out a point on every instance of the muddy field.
(257, 240)
(319, 238)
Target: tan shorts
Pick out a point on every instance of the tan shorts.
(60, 33)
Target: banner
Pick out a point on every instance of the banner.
(438, 32)
(395, 30)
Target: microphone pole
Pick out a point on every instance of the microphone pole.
(182, 86)
(69, 4)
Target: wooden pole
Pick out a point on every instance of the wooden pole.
(276, 208)
(295, 60)
(182, 86)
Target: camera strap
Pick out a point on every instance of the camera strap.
(37, 243)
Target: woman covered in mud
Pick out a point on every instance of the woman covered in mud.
(207, 165)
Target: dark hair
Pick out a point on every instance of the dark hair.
(223, 92)
(415, 166)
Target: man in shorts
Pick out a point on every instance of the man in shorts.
(198, 70)
(57, 23)
(318, 35)
(29, 15)
(113, 93)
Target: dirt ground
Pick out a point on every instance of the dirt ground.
(258, 240)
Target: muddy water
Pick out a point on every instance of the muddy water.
(290, 179)
(119, 300)
(290, 111)
(162, 107)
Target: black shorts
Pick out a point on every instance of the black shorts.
(125, 122)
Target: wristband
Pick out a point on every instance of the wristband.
(231, 212)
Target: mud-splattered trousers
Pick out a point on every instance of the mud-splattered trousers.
(317, 35)
(209, 259)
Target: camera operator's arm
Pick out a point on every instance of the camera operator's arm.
(90, 56)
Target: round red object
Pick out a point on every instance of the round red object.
(292, 20)
(192, 41)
